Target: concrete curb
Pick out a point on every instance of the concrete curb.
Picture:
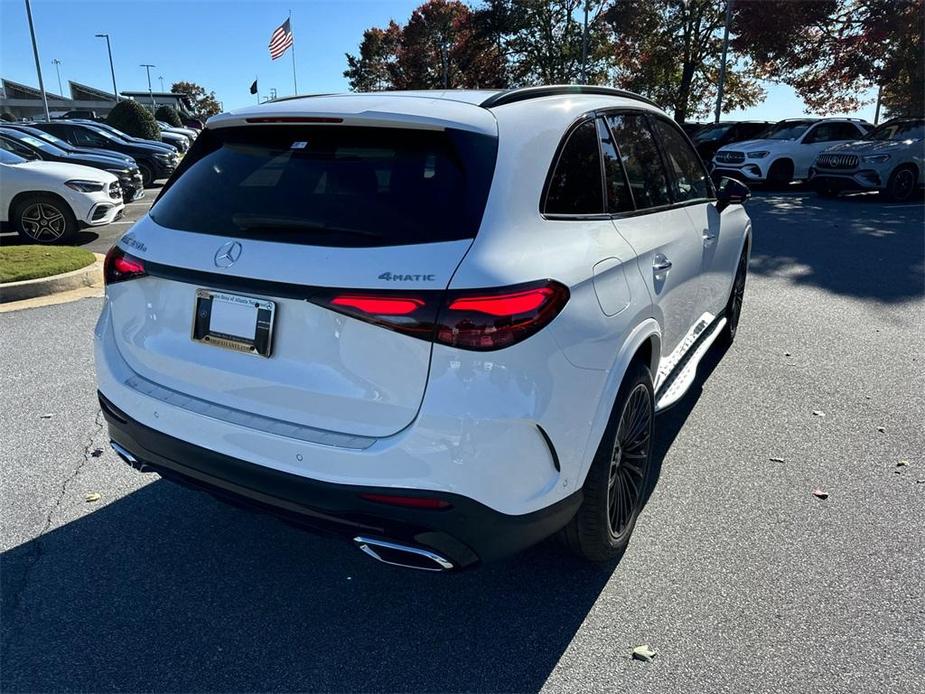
(90, 276)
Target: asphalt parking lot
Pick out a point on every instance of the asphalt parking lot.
(737, 576)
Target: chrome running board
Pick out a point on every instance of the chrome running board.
(674, 384)
(402, 555)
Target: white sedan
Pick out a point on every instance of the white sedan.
(49, 202)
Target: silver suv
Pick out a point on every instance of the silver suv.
(888, 159)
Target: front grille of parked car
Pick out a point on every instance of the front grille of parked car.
(730, 157)
(837, 161)
(115, 191)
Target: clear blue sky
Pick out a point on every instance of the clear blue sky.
(220, 45)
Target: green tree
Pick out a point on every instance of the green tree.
(204, 103)
(831, 51)
(134, 119)
(371, 69)
(169, 115)
(670, 51)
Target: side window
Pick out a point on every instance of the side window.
(848, 131)
(641, 160)
(688, 177)
(618, 193)
(576, 186)
(828, 132)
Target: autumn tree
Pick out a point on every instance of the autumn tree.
(371, 70)
(204, 103)
(670, 51)
(832, 51)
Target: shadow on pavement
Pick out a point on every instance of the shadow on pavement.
(856, 245)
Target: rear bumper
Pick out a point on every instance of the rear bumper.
(466, 533)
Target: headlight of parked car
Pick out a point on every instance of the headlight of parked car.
(877, 158)
(84, 186)
(758, 155)
(119, 172)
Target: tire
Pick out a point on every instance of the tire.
(733, 309)
(780, 174)
(616, 486)
(44, 219)
(901, 185)
(147, 175)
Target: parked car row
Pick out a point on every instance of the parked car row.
(59, 176)
(832, 155)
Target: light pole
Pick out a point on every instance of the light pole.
(38, 63)
(147, 68)
(56, 63)
(115, 92)
(722, 65)
(584, 47)
(161, 78)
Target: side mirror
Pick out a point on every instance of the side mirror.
(731, 192)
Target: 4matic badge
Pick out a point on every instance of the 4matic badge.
(395, 277)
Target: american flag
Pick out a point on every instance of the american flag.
(280, 40)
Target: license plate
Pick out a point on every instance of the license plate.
(240, 323)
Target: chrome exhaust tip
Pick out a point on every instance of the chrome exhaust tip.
(127, 457)
(406, 556)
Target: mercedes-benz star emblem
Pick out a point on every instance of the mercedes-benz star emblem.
(228, 254)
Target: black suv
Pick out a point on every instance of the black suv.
(154, 161)
(710, 138)
(31, 147)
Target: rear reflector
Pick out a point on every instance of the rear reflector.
(119, 266)
(408, 501)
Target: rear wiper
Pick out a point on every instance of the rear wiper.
(259, 223)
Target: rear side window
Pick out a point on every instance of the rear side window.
(688, 177)
(332, 185)
(575, 186)
(641, 160)
(618, 194)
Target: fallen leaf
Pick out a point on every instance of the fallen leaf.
(776, 460)
(882, 430)
(46, 416)
(902, 463)
(786, 354)
(818, 413)
(93, 497)
(96, 452)
(643, 653)
(920, 481)
(820, 493)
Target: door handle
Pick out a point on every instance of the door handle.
(661, 263)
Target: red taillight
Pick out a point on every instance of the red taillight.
(493, 319)
(379, 305)
(503, 304)
(119, 266)
(421, 502)
(482, 319)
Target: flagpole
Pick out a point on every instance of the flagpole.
(295, 84)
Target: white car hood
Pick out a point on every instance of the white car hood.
(60, 171)
(753, 145)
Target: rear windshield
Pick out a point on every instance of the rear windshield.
(331, 185)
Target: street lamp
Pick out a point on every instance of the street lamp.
(161, 78)
(115, 92)
(147, 68)
(56, 63)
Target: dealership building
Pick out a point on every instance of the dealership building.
(24, 102)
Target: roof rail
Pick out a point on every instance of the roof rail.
(510, 96)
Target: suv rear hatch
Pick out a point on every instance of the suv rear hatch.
(314, 221)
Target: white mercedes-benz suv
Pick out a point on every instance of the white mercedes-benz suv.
(785, 151)
(440, 323)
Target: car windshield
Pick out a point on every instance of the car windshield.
(48, 137)
(324, 186)
(10, 158)
(712, 132)
(785, 130)
(902, 130)
(41, 145)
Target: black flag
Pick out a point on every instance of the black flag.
(254, 87)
